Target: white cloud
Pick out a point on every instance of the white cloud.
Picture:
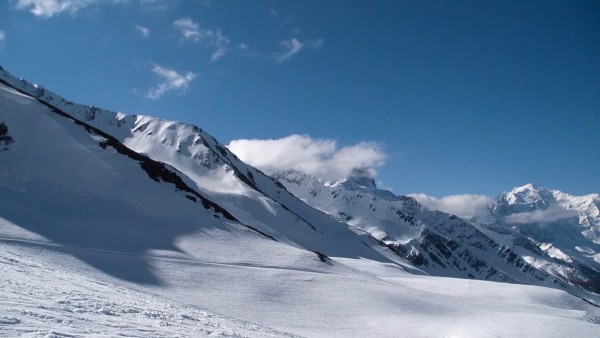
(144, 31)
(171, 80)
(319, 158)
(552, 214)
(465, 205)
(2, 37)
(290, 47)
(293, 46)
(49, 8)
(191, 30)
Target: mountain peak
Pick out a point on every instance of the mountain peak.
(363, 177)
(529, 194)
(529, 186)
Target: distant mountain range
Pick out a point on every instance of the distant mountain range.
(530, 235)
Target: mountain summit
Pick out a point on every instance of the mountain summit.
(527, 198)
(531, 204)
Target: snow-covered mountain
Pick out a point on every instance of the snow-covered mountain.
(112, 224)
(211, 171)
(531, 204)
(486, 248)
(557, 232)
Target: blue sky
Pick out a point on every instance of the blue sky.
(439, 97)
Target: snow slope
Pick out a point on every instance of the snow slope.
(43, 295)
(246, 193)
(48, 292)
(98, 239)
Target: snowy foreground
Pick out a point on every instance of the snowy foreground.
(46, 292)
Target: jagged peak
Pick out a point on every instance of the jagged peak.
(363, 177)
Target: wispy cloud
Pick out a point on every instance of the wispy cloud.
(170, 80)
(289, 48)
(191, 30)
(144, 31)
(2, 37)
(552, 214)
(50, 8)
(465, 205)
(293, 46)
(319, 158)
(221, 45)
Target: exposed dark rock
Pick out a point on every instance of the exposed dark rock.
(5, 138)
(322, 256)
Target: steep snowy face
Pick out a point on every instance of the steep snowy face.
(358, 202)
(67, 183)
(248, 195)
(586, 209)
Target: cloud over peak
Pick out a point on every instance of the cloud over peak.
(552, 214)
(171, 80)
(316, 157)
(464, 205)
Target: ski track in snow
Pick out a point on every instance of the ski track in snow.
(47, 293)
(37, 299)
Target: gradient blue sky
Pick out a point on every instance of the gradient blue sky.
(462, 96)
